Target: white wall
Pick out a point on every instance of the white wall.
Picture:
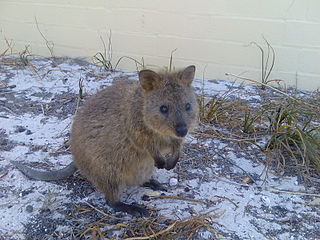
(211, 33)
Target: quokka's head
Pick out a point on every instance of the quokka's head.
(170, 105)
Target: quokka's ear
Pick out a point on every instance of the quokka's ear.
(187, 75)
(148, 79)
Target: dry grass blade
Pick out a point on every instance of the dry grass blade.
(49, 44)
(171, 58)
(4, 52)
(103, 213)
(183, 199)
(9, 47)
(139, 65)
(273, 58)
(228, 199)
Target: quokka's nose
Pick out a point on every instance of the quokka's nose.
(181, 130)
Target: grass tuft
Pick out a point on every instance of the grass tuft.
(294, 138)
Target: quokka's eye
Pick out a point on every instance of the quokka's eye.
(188, 107)
(164, 109)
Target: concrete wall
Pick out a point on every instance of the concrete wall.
(211, 33)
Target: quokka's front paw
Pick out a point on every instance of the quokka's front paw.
(172, 162)
(159, 162)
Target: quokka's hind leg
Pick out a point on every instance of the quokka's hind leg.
(111, 189)
(133, 209)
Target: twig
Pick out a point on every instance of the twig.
(228, 199)
(266, 85)
(183, 199)
(294, 192)
(103, 213)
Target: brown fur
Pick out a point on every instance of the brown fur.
(119, 135)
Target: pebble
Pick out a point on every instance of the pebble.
(153, 194)
(20, 129)
(145, 198)
(173, 181)
(265, 199)
(28, 132)
(29, 208)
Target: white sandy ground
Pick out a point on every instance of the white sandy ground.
(232, 199)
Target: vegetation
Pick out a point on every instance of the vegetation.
(268, 58)
(291, 126)
(105, 58)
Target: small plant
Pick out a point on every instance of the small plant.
(23, 55)
(49, 200)
(267, 62)
(105, 58)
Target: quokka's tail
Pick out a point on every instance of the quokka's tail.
(46, 175)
